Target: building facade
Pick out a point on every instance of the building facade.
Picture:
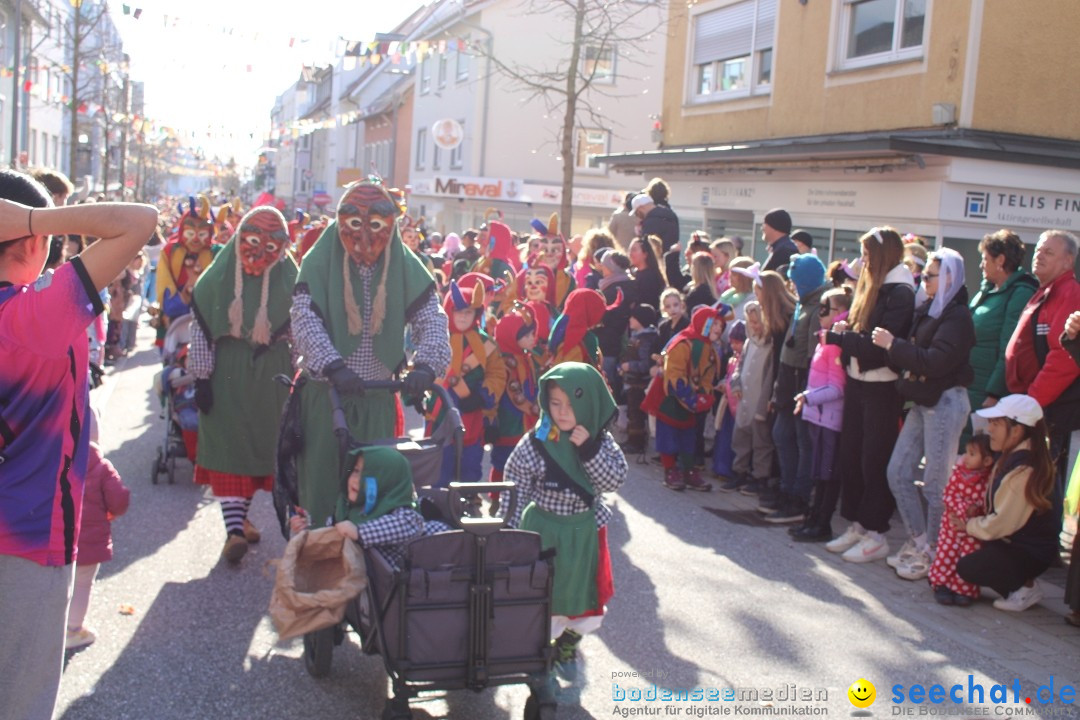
(943, 118)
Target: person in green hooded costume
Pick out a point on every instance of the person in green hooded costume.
(239, 342)
(377, 506)
(358, 288)
(561, 469)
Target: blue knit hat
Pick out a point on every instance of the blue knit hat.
(807, 272)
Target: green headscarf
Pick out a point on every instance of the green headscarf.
(386, 484)
(593, 408)
(406, 280)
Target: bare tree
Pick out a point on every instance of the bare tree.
(575, 81)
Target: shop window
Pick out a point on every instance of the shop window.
(880, 31)
(733, 50)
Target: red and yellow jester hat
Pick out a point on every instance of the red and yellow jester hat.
(552, 243)
(196, 230)
(465, 298)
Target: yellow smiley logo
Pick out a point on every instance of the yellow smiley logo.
(861, 693)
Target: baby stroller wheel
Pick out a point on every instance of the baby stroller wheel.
(171, 468)
(397, 708)
(319, 652)
(155, 470)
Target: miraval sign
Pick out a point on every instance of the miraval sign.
(470, 187)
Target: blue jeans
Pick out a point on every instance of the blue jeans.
(795, 453)
(930, 432)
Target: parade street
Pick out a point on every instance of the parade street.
(709, 599)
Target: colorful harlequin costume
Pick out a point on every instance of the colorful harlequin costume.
(239, 342)
(501, 255)
(560, 493)
(681, 391)
(572, 339)
(184, 256)
(553, 255)
(516, 335)
(536, 283)
(475, 377)
(357, 289)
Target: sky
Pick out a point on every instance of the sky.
(212, 69)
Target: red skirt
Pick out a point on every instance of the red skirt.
(605, 582)
(232, 485)
(191, 444)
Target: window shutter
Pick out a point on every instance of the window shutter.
(725, 33)
(766, 25)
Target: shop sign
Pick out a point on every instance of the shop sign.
(469, 187)
(1010, 207)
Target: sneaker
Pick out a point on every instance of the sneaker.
(915, 566)
(769, 501)
(673, 479)
(1020, 599)
(734, 484)
(566, 655)
(251, 533)
(908, 548)
(867, 550)
(79, 638)
(845, 542)
(811, 533)
(753, 488)
(790, 511)
(693, 481)
(236, 546)
(944, 596)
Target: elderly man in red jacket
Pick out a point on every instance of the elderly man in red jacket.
(1035, 362)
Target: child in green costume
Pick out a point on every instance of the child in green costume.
(378, 508)
(562, 468)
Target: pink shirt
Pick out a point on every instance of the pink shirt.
(44, 398)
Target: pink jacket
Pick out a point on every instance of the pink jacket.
(105, 497)
(824, 404)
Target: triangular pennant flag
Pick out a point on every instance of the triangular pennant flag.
(138, 13)
(127, 9)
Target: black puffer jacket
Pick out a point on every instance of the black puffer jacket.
(664, 224)
(894, 310)
(936, 356)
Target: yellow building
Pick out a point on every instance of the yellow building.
(948, 119)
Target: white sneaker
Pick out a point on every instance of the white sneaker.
(914, 566)
(79, 638)
(908, 548)
(850, 537)
(867, 550)
(1021, 599)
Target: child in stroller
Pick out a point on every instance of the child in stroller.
(180, 385)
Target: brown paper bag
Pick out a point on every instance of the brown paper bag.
(319, 574)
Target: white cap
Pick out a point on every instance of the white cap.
(1023, 409)
(639, 200)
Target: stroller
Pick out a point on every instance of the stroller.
(171, 382)
(468, 609)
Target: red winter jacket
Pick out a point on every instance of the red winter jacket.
(1043, 318)
(106, 497)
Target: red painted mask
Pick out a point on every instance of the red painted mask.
(196, 234)
(366, 217)
(261, 240)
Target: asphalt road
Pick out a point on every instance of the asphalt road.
(707, 597)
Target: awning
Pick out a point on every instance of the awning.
(872, 150)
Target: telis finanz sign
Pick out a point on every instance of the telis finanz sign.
(1010, 207)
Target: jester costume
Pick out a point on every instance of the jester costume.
(680, 392)
(185, 255)
(516, 335)
(572, 338)
(357, 289)
(560, 496)
(553, 254)
(239, 342)
(536, 283)
(476, 378)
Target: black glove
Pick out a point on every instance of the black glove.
(345, 381)
(204, 396)
(419, 380)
